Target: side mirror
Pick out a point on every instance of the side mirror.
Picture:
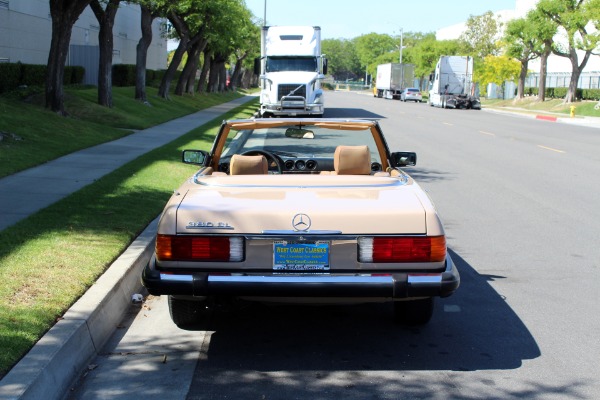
(257, 66)
(403, 159)
(324, 66)
(196, 157)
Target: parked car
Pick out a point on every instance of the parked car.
(411, 94)
(300, 210)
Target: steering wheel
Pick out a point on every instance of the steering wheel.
(271, 158)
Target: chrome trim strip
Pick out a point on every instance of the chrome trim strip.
(176, 278)
(424, 279)
(300, 233)
(300, 279)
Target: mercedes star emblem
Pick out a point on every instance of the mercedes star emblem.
(301, 222)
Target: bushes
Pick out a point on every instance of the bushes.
(10, 76)
(124, 75)
(13, 75)
(561, 92)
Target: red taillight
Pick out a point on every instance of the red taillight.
(198, 248)
(402, 249)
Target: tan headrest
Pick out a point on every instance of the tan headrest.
(352, 160)
(248, 165)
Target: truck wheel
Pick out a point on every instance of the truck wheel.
(413, 312)
(187, 314)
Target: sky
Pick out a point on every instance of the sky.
(347, 19)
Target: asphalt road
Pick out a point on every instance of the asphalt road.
(520, 201)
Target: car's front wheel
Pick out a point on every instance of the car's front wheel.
(413, 312)
(188, 314)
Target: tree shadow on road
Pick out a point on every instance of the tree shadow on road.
(304, 346)
(358, 113)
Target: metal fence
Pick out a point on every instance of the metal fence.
(587, 80)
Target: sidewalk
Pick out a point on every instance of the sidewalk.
(63, 353)
(29, 191)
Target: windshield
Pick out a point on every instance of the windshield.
(280, 64)
(293, 141)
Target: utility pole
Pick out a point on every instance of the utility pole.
(265, 15)
(401, 66)
(401, 41)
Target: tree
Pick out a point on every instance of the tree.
(150, 9)
(521, 45)
(229, 30)
(481, 37)
(343, 63)
(186, 19)
(248, 36)
(428, 51)
(544, 30)
(64, 14)
(575, 17)
(498, 69)
(106, 19)
(370, 46)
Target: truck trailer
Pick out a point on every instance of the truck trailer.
(392, 78)
(451, 84)
(291, 68)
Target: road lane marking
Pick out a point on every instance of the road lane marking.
(550, 148)
(487, 133)
(448, 123)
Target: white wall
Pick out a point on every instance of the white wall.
(26, 29)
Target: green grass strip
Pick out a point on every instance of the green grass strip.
(33, 135)
(50, 259)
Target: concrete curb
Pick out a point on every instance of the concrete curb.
(60, 356)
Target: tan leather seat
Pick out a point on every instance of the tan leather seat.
(248, 165)
(352, 160)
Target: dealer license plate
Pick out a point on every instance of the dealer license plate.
(300, 256)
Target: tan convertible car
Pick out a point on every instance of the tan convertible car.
(300, 210)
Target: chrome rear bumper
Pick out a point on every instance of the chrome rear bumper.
(394, 285)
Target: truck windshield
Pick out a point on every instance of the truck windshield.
(280, 64)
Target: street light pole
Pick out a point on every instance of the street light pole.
(401, 66)
(265, 15)
(401, 42)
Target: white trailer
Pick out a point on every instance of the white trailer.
(451, 84)
(291, 68)
(392, 78)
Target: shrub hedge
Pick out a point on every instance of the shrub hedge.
(13, 75)
(559, 93)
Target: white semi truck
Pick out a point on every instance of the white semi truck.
(291, 68)
(451, 84)
(392, 78)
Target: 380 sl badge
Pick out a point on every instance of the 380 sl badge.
(208, 225)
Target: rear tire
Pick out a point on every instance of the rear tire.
(413, 312)
(187, 314)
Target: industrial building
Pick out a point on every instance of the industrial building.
(26, 33)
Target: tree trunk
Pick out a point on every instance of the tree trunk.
(165, 84)
(246, 81)
(217, 76)
(188, 74)
(543, 73)
(106, 19)
(222, 77)
(236, 77)
(202, 86)
(64, 14)
(576, 69)
(522, 77)
(184, 42)
(142, 54)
